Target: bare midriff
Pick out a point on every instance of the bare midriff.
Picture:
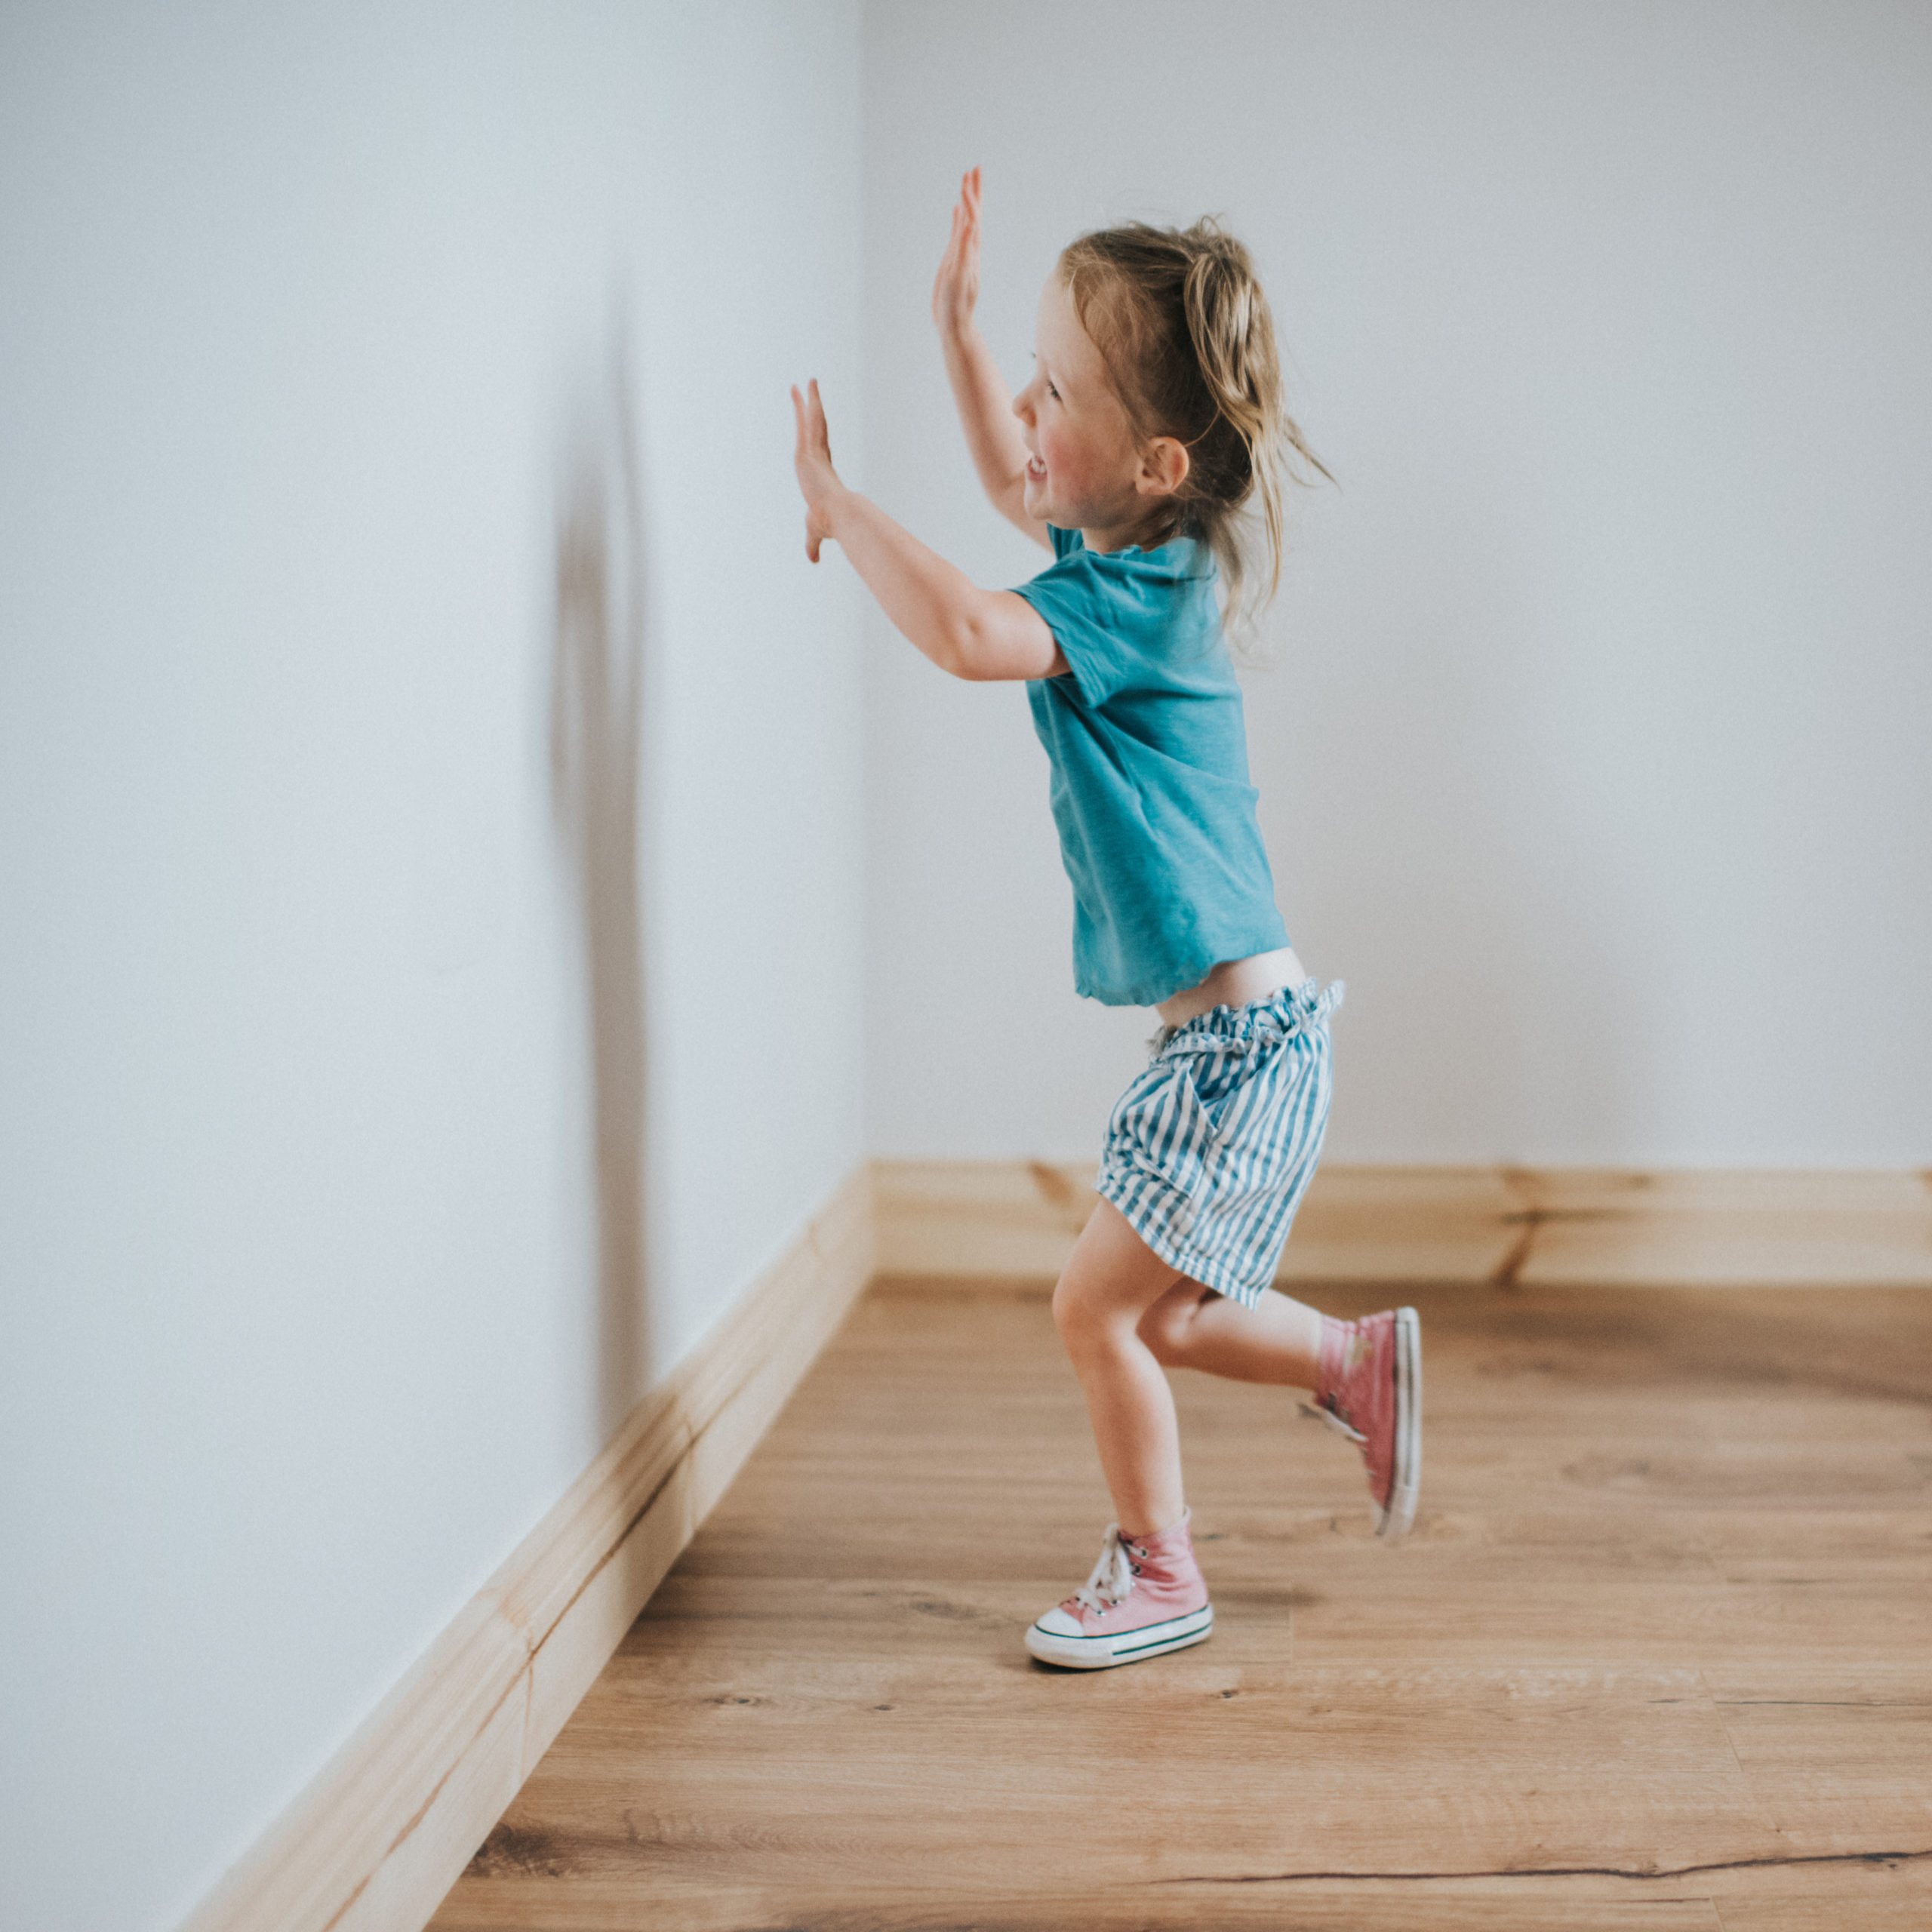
(1235, 983)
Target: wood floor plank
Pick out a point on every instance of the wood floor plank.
(1839, 1902)
(1658, 1652)
(530, 1905)
(1836, 1546)
(1482, 1768)
(1836, 1755)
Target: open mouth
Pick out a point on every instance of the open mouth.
(1036, 470)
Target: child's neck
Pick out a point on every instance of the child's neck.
(1103, 541)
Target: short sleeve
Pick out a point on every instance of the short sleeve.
(1074, 597)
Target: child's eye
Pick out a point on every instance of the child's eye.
(1053, 392)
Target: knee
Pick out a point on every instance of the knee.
(1078, 1315)
(1165, 1326)
(1068, 1315)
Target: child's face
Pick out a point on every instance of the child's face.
(1085, 471)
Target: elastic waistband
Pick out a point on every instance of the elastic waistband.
(1280, 1016)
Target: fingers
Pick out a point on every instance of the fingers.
(962, 242)
(966, 209)
(969, 234)
(813, 440)
(808, 411)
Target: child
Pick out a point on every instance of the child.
(1154, 416)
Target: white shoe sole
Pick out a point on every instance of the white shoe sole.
(1102, 1653)
(1408, 1472)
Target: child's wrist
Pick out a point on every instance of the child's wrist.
(835, 505)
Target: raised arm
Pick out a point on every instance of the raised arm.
(971, 632)
(985, 403)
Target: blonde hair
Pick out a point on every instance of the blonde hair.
(1179, 318)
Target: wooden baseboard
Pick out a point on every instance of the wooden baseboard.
(383, 1832)
(1576, 1227)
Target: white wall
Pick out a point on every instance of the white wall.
(385, 391)
(1594, 752)
(328, 337)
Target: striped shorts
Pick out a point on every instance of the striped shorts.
(1209, 1153)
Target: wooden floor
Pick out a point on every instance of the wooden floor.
(1659, 1654)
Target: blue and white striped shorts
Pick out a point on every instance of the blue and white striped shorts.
(1209, 1153)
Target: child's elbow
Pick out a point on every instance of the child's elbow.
(960, 651)
(1002, 640)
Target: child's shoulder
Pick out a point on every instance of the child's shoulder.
(1144, 620)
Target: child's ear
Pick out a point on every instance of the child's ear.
(1164, 466)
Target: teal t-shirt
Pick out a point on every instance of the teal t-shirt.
(1150, 785)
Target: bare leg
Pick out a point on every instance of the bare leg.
(1113, 1280)
(1280, 1341)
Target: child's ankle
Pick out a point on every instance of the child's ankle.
(1176, 1536)
(1336, 1337)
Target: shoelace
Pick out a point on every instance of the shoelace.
(1112, 1579)
(1334, 1422)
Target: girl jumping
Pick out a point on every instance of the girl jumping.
(1152, 431)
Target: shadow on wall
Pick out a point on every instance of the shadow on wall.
(597, 691)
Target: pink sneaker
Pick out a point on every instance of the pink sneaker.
(1146, 1595)
(1371, 1391)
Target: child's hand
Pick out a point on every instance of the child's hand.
(956, 288)
(817, 477)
